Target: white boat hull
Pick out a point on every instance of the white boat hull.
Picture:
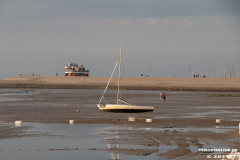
(125, 108)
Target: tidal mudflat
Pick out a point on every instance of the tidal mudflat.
(181, 125)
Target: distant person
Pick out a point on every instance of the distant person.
(181, 88)
(161, 96)
(164, 96)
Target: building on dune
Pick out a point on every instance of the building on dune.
(74, 69)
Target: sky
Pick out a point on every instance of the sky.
(160, 37)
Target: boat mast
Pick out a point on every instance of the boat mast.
(119, 71)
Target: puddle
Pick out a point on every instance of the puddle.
(14, 99)
(214, 129)
(71, 154)
(165, 148)
(9, 94)
(193, 148)
(221, 107)
(219, 113)
(205, 114)
(65, 137)
(73, 142)
(223, 129)
(14, 92)
(161, 117)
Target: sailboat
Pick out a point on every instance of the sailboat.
(127, 107)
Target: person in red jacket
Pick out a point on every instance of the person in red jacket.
(164, 96)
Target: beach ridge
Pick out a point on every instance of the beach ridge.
(127, 83)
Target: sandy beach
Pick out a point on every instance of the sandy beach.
(130, 83)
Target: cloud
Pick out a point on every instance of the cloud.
(165, 22)
(122, 21)
(142, 0)
(83, 22)
(152, 21)
(116, 21)
(176, 23)
(13, 7)
(186, 23)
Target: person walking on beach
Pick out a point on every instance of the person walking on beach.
(161, 96)
(164, 96)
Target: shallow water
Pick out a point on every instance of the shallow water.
(214, 129)
(10, 94)
(65, 137)
(217, 113)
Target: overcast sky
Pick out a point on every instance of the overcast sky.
(41, 37)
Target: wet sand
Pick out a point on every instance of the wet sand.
(186, 121)
(129, 83)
